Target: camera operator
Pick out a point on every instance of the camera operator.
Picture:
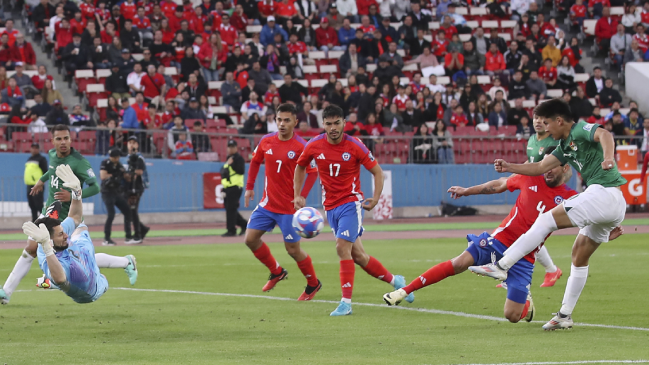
(111, 174)
(137, 181)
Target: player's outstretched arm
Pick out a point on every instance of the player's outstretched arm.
(491, 187)
(299, 201)
(605, 138)
(41, 235)
(370, 203)
(528, 169)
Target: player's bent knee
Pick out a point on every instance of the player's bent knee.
(293, 249)
(361, 259)
(513, 316)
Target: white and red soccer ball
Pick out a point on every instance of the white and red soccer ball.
(308, 222)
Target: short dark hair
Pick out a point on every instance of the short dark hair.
(332, 111)
(549, 150)
(286, 108)
(554, 108)
(198, 123)
(60, 127)
(50, 223)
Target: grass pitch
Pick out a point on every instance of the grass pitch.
(223, 317)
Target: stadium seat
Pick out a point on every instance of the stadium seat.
(83, 78)
(554, 93)
(22, 141)
(94, 92)
(254, 28)
(102, 75)
(326, 70)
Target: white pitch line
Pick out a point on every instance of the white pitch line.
(423, 310)
(571, 362)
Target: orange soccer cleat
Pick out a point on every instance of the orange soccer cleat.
(551, 278)
(310, 292)
(274, 279)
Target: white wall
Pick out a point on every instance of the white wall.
(637, 84)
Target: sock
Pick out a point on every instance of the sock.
(111, 262)
(347, 270)
(376, 269)
(576, 283)
(263, 254)
(543, 257)
(526, 243)
(306, 266)
(21, 269)
(525, 309)
(435, 274)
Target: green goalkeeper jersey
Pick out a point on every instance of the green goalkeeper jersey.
(81, 168)
(536, 149)
(584, 154)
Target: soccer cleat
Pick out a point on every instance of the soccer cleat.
(395, 297)
(229, 234)
(131, 269)
(490, 270)
(530, 309)
(551, 278)
(310, 291)
(400, 282)
(4, 298)
(502, 285)
(133, 241)
(558, 322)
(109, 242)
(274, 279)
(44, 283)
(145, 230)
(344, 309)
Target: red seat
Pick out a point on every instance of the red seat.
(216, 123)
(219, 145)
(159, 142)
(22, 140)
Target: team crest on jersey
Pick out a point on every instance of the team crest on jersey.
(483, 243)
(346, 156)
(558, 200)
(573, 146)
(90, 173)
(541, 149)
(291, 154)
(588, 127)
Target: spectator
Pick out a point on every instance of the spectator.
(200, 141)
(499, 41)
(519, 7)
(183, 149)
(458, 118)
(524, 129)
(57, 115)
(129, 116)
(271, 61)
(23, 81)
(373, 48)
(392, 56)
(327, 38)
(643, 142)
(580, 106)
(24, 52)
(307, 35)
(634, 121)
(407, 32)
(596, 117)
(253, 106)
(152, 120)
(495, 88)
(351, 61)
(348, 9)
(116, 84)
(620, 42)
(134, 79)
(454, 62)
(231, 92)
(192, 111)
(392, 119)
(422, 146)
(513, 57)
(536, 86)
(448, 112)
(443, 143)
(497, 117)
(595, 83)
(126, 63)
(99, 55)
(551, 52)
(346, 33)
(334, 17)
(605, 28)
(516, 114)
(641, 37)
(262, 78)
(385, 71)
(412, 117)
(518, 88)
(307, 11)
(269, 30)
(420, 20)
(153, 84)
(308, 116)
(480, 43)
(473, 117)
(38, 80)
(297, 48)
(76, 56)
(189, 64)
(608, 95)
(12, 94)
(418, 44)
(140, 107)
(565, 75)
(292, 91)
(195, 87)
(42, 14)
(212, 56)
(548, 74)
(40, 108)
(633, 53)
(78, 119)
(387, 31)
(574, 54)
(130, 37)
(495, 62)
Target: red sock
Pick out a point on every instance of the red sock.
(263, 254)
(435, 274)
(376, 269)
(525, 309)
(347, 269)
(308, 271)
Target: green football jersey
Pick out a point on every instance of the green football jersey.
(536, 149)
(584, 154)
(81, 168)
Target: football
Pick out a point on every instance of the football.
(308, 222)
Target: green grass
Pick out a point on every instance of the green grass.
(369, 227)
(138, 327)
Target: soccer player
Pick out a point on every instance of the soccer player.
(537, 145)
(62, 153)
(71, 265)
(338, 157)
(537, 194)
(596, 211)
(279, 151)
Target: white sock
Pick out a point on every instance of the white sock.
(543, 257)
(526, 243)
(111, 262)
(20, 270)
(576, 283)
(345, 300)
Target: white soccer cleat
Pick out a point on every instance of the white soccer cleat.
(395, 297)
(490, 270)
(530, 309)
(559, 323)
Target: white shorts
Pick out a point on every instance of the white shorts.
(596, 211)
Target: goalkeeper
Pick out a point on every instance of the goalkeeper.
(65, 251)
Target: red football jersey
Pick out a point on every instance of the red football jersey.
(548, 74)
(141, 23)
(578, 11)
(400, 101)
(535, 198)
(267, 9)
(643, 42)
(439, 47)
(297, 47)
(148, 7)
(339, 167)
(229, 35)
(87, 10)
(369, 29)
(127, 10)
(280, 158)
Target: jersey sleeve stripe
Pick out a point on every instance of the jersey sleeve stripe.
(359, 144)
(317, 138)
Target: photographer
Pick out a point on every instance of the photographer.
(137, 180)
(111, 174)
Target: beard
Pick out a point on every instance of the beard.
(61, 248)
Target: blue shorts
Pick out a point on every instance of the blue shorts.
(486, 249)
(81, 297)
(265, 220)
(346, 221)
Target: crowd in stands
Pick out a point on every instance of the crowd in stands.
(237, 61)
